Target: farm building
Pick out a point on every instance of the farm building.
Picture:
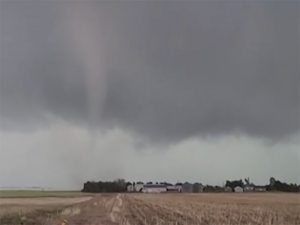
(174, 188)
(187, 187)
(197, 187)
(154, 188)
(238, 189)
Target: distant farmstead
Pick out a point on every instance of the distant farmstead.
(238, 186)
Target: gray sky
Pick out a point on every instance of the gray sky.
(198, 91)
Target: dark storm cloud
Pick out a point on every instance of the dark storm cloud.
(165, 70)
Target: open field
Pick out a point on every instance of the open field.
(156, 209)
(38, 193)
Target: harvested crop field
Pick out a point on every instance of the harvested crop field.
(26, 205)
(162, 209)
(39, 193)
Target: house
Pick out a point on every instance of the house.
(187, 187)
(197, 187)
(154, 188)
(238, 189)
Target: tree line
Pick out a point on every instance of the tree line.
(274, 185)
(105, 186)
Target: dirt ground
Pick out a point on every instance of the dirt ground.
(166, 209)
